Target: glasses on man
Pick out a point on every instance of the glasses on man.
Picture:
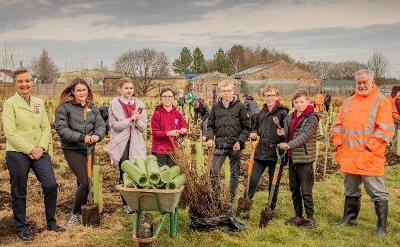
(167, 97)
(226, 91)
(269, 95)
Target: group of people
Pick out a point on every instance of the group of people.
(360, 132)
(295, 132)
(80, 125)
(320, 101)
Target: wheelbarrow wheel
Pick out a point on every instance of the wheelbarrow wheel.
(146, 229)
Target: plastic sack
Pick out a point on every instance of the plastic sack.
(224, 222)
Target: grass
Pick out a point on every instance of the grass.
(328, 196)
(116, 226)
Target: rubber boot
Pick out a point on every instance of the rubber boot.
(381, 209)
(352, 205)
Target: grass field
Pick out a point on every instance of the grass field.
(116, 227)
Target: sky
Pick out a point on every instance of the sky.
(102, 30)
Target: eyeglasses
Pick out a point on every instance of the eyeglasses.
(269, 95)
(226, 91)
(167, 97)
(81, 91)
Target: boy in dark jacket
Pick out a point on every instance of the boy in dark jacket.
(229, 124)
(265, 154)
(201, 108)
(300, 131)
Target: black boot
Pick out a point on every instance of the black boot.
(381, 209)
(352, 205)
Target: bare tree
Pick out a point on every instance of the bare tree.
(143, 66)
(9, 57)
(379, 64)
(44, 68)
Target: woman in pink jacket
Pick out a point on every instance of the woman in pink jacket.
(167, 125)
(127, 120)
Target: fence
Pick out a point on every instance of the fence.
(51, 89)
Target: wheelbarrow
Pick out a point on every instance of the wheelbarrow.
(163, 201)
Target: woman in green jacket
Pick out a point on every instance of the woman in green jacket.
(28, 133)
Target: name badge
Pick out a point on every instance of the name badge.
(36, 108)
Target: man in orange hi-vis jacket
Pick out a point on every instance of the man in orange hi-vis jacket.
(319, 98)
(360, 132)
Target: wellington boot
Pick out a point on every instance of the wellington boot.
(381, 209)
(352, 205)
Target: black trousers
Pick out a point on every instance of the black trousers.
(125, 156)
(19, 165)
(258, 169)
(164, 159)
(301, 182)
(77, 159)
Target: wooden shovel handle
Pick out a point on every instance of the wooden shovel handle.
(89, 166)
(254, 145)
(89, 151)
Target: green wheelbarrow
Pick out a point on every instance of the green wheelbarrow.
(163, 201)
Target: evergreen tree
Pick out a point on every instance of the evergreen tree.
(264, 55)
(182, 64)
(199, 65)
(221, 61)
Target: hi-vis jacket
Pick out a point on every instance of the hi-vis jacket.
(395, 111)
(363, 127)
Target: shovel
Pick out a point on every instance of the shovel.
(90, 211)
(245, 203)
(267, 214)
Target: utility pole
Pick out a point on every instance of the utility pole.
(65, 68)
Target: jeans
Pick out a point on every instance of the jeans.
(258, 169)
(301, 182)
(19, 165)
(217, 161)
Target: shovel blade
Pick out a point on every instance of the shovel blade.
(90, 215)
(244, 207)
(266, 216)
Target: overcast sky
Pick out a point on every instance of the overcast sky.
(101, 30)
